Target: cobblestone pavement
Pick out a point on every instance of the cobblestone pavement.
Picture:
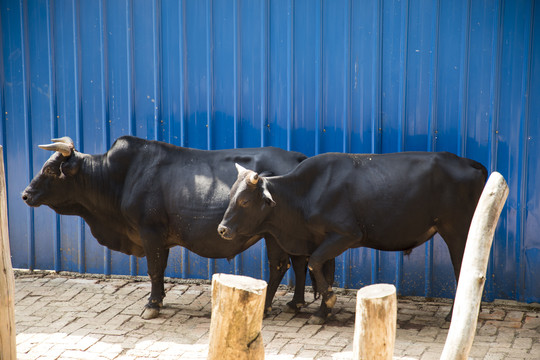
(72, 317)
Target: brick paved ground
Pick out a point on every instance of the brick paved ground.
(70, 317)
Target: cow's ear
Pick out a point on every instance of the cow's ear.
(268, 198)
(71, 166)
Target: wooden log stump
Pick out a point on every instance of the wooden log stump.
(473, 269)
(375, 324)
(237, 313)
(7, 282)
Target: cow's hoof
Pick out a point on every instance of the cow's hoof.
(331, 301)
(267, 310)
(150, 313)
(316, 320)
(293, 307)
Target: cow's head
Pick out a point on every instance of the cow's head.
(50, 185)
(250, 203)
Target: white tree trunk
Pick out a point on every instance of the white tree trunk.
(8, 349)
(237, 313)
(473, 269)
(375, 324)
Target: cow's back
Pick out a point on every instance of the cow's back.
(185, 190)
(391, 196)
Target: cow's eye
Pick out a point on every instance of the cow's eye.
(49, 171)
(243, 203)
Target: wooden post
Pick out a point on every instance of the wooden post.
(375, 324)
(473, 269)
(7, 281)
(237, 313)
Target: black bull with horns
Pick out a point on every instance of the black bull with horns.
(143, 197)
(332, 202)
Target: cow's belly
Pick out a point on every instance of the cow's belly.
(396, 240)
(199, 235)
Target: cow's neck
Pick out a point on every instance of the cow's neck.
(287, 221)
(98, 195)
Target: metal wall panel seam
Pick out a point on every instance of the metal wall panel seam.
(495, 73)
(182, 55)
(345, 270)
(290, 87)
(132, 125)
(184, 253)
(23, 21)
(318, 76)
(463, 80)
(79, 139)
(237, 258)
(265, 55)
(237, 113)
(402, 103)
(209, 93)
(235, 81)
(264, 43)
(376, 109)
(376, 129)
(158, 85)
(54, 127)
(182, 81)
(290, 79)
(104, 107)
(132, 128)
(523, 154)
(432, 133)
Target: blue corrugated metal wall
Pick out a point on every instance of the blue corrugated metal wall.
(312, 76)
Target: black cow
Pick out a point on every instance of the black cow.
(143, 197)
(333, 202)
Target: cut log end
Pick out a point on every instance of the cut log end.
(376, 291)
(241, 282)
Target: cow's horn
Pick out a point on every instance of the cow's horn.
(254, 178)
(65, 140)
(61, 147)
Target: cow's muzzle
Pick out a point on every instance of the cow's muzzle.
(28, 199)
(31, 197)
(225, 232)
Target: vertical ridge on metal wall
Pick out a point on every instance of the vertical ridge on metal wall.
(156, 28)
(182, 55)
(402, 104)
(463, 80)
(132, 127)
(432, 134)
(318, 75)
(347, 38)
(27, 127)
(523, 151)
(494, 96)
(265, 71)
(105, 136)
(209, 94)
(56, 229)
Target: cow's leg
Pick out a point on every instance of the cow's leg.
(327, 251)
(320, 315)
(328, 270)
(278, 262)
(300, 268)
(455, 239)
(156, 257)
